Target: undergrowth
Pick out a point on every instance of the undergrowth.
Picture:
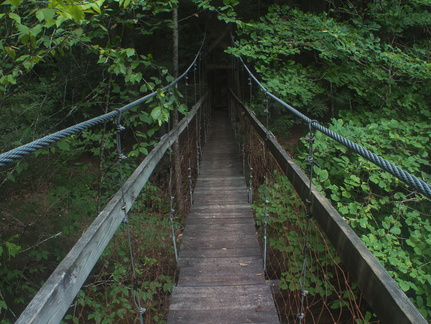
(332, 296)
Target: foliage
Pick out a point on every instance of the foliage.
(367, 63)
(34, 32)
(52, 199)
(224, 12)
(8, 250)
(109, 295)
(324, 62)
(391, 219)
(64, 59)
(64, 62)
(287, 224)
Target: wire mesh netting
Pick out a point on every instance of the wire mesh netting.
(155, 223)
(307, 277)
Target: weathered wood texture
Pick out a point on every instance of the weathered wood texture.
(221, 271)
(54, 298)
(379, 289)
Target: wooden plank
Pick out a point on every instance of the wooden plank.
(223, 271)
(225, 304)
(205, 229)
(207, 199)
(237, 180)
(217, 316)
(228, 172)
(54, 298)
(226, 191)
(247, 219)
(225, 252)
(221, 216)
(239, 235)
(247, 241)
(379, 289)
(219, 207)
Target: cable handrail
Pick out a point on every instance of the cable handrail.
(384, 164)
(376, 285)
(26, 149)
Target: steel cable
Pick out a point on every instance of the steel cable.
(399, 173)
(21, 151)
(121, 157)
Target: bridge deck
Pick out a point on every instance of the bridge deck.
(221, 273)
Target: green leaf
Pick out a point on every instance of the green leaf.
(15, 3)
(130, 52)
(156, 113)
(143, 150)
(346, 194)
(324, 175)
(11, 52)
(183, 109)
(48, 15)
(15, 17)
(22, 58)
(63, 145)
(395, 230)
(335, 197)
(363, 222)
(12, 248)
(11, 177)
(96, 7)
(36, 30)
(404, 285)
(24, 30)
(343, 210)
(76, 12)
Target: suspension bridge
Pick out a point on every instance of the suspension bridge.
(222, 262)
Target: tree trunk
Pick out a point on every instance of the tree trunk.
(176, 148)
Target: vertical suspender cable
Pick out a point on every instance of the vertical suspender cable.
(250, 165)
(200, 132)
(171, 203)
(243, 157)
(251, 93)
(266, 201)
(189, 164)
(121, 158)
(303, 274)
(171, 196)
(197, 142)
(186, 90)
(200, 68)
(190, 177)
(194, 82)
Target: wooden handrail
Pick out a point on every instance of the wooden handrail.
(381, 292)
(57, 294)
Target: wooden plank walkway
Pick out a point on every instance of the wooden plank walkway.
(221, 271)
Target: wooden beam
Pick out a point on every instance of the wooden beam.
(57, 294)
(381, 292)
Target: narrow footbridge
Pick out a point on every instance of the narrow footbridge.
(221, 279)
(223, 254)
